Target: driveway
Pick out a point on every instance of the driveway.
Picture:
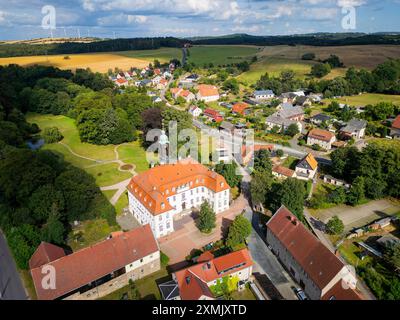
(187, 237)
(354, 217)
(11, 287)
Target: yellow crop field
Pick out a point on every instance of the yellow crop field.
(98, 62)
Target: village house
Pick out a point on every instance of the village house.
(167, 192)
(354, 129)
(121, 82)
(395, 129)
(241, 108)
(207, 93)
(156, 80)
(98, 270)
(185, 94)
(336, 182)
(282, 172)
(261, 95)
(275, 121)
(195, 111)
(162, 84)
(248, 152)
(194, 282)
(302, 101)
(320, 273)
(320, 118)
(290, 112)
(322, 138)
(213, 115)
(306, 168)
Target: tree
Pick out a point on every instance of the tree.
(52, 135)
(320, 70)
(262, 161)
(392, 255)
(335, 225)
(259, 187)
(308, 56)
(291, 193)
(279, 153)
(207, 219)
(334, 61)
(54, 230)
(164, 259)
(338, 196)
(356, 193)
(292, 130)
(232, 85)
(239, 231)
(228, 171)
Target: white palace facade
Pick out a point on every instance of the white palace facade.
(164, 192)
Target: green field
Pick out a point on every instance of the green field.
(274, 66)
(219, 55)
(162, 54)
(94, 159)
(367, 98)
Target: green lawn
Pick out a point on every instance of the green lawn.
(28, 283)
(133, 153)
(147, 287)
(274, 66)
(105, 174)
(367, 98)
(220, 55)
(162, 54)
(290, 162)
(121, 203)
(89, 232)
(349, 250)
(246, 294)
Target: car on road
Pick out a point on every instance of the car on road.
(300, 294)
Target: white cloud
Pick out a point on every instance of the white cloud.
(253, 28)
(320, 13)
(350, 3)
(121, 20)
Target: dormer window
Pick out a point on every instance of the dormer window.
(221, 184)
(162, 205)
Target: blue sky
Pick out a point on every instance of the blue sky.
(182, 18)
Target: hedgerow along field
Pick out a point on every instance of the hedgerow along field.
(366, 98)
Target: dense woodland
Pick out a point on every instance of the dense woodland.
(14, 50)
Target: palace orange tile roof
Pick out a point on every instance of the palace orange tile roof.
(320, 134)
(153, 187)
(207, 90)
(89, 264)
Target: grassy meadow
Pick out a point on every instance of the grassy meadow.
(219, 55)
(367, 98)
(94, 159)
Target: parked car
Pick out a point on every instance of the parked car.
(300, 294)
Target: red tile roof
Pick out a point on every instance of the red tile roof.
(84, 266)
(122, 80)
(317, 261)
(205, 256)
(320, 134)
(396, 122)
(45, 253)
(213, 114)
(153, 187)
(206, 90)
(283, 171)
(209, 271)
(240, 107)
(339, 292)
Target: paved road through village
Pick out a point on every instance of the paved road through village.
(11, 287)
